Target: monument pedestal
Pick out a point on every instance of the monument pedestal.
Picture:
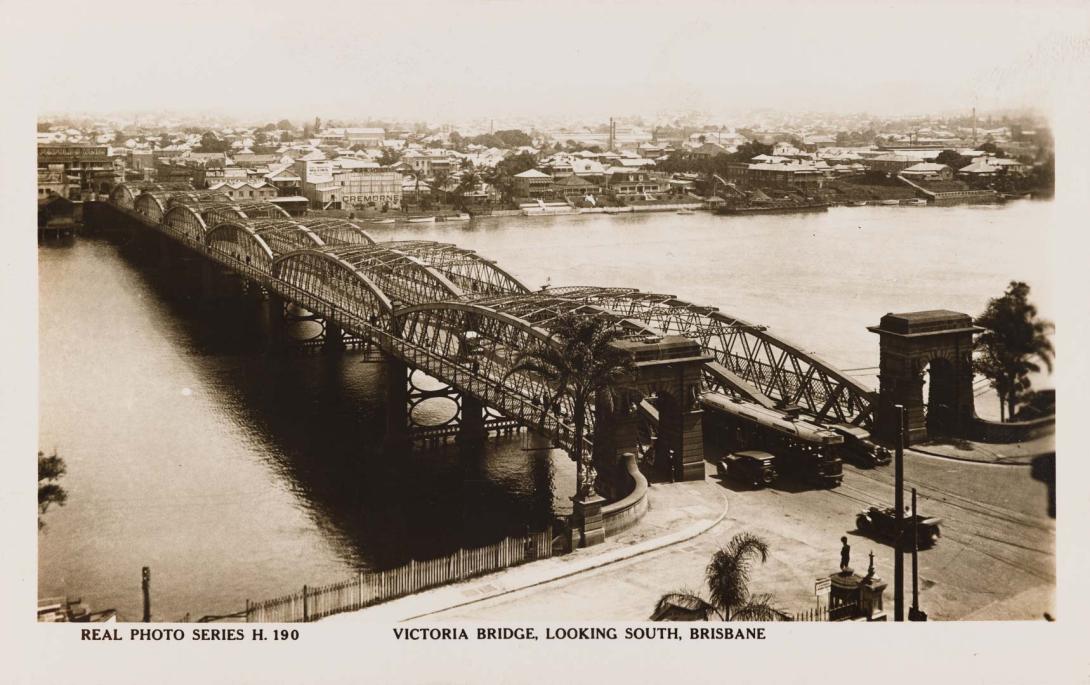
(850, 597)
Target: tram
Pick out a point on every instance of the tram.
(803, 449)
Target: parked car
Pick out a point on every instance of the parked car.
(882, 523)
(751, 466)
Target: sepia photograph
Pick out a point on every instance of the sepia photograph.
(483, 323)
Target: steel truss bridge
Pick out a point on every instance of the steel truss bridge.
(417, 301)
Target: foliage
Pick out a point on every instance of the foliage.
(468, 183)
(389, 157)
(583, 364)
(210, 142)
(727, 576)
(502, 175)
(509, 138)
(1015, 340)
(952, 159)
(50, 469)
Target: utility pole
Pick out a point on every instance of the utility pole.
(914, 613)
(899, 507)
(146, 584)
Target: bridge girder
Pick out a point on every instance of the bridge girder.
(774, 366)
(336, 282)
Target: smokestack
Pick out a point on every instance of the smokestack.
(611, 132)
(974, 126)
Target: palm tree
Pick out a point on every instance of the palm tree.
(728, 587)
(1014, 339)
(583, 364)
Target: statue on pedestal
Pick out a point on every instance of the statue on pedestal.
(845, 556)
(870, 569)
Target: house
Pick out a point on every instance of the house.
(992, 166)
(245, 190)
(707, 151)
(890, 163)
(574, 187)
(533, 183)
(627, 182)
(928, 171)
(285, 181)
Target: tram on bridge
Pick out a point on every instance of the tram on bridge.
(804, 450)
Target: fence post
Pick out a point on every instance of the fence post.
(359, 589)
(306, 616)
(247, 611)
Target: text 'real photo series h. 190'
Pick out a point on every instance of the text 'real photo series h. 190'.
(710, 338)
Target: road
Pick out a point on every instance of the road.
(996, 558)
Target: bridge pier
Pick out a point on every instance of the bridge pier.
(614, 435)
(471, 428)
(397, 405)
(334, 338)
(271, 317)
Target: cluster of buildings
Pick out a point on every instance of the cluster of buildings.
(370, 168)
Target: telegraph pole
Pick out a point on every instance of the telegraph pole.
(899, 507)
(914, 613)
(146, 584)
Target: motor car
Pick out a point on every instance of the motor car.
(857, 450)
(751, 466)
(881, 523)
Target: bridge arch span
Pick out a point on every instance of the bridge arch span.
(404, 278)
(238, 240)
(222, 213)
(774, 366)
(185, 223)
(335, 282)
(151, 204)
(472, 273)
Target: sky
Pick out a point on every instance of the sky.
(457, 60)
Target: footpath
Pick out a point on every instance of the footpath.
(677, 512)
(1013, 454)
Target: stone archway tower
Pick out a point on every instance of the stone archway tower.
(908, 343)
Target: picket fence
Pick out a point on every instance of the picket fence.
(835, 612)
(374, 587)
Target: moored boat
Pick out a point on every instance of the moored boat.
(685, 211)
(421, 220)
(382, 221)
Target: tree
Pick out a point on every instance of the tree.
(285, 125)
(728, 586)
(467, 184)
(389, 157)
(952, 159)
(440, 179)
(1015, 340)
(210, 142)
(582, 363)
(50, 469)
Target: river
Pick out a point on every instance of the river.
(237, 474)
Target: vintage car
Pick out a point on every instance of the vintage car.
(882, 523)
(751, 466)
(856, 450)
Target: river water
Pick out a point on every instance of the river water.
(235, 474)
